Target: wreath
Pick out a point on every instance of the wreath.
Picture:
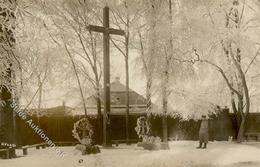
(143, 127)
(83, 131)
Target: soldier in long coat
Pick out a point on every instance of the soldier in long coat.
(203, 133)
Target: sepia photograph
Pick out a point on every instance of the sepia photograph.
(130, 83)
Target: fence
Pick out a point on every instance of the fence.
(60, 128)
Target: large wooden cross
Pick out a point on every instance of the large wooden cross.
(106, 58)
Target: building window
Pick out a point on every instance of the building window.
(115, 99)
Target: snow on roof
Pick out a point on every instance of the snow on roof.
(117, 86)
(115, 110)
(53, 111)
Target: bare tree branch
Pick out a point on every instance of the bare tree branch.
(220, 70)
(252, 61)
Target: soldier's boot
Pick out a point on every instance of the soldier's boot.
(199, 145)
(205, 146)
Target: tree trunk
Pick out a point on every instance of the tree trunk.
(148, 60)
(7, 117)
(240, 136)
(165, 86)
(164, 116)
(164, 120)
(39, 98)
(237, 123)
(99, 116)
(127, 36)
(149, 101)
(148, 94)
(127, 83)
(149, 81)
(244, 114)
(78, 80)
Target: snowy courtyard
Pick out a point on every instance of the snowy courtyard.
(181, 154)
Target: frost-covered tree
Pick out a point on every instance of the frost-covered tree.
(40, 60)
(147, 39)
(162, 42)
(8, 64)
(67, 23)
(223, 36)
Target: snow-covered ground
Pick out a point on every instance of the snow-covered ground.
(181, 154)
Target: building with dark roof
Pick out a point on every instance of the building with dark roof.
(137, 102)
(57, 111)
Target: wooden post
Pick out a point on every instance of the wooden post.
(25, 151)
(106, 59)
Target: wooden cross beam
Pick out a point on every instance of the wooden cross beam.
(106, 59)
(102, 30)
